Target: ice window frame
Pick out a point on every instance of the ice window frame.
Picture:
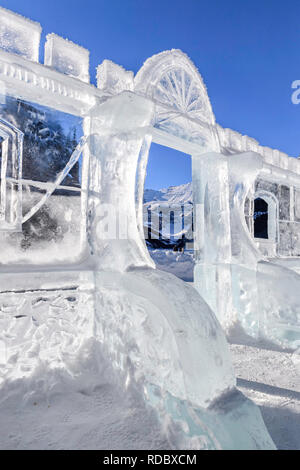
(10, 184)
(273, 222)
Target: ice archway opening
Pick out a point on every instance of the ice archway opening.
(168, 211)
(183, 118)
(271, 203)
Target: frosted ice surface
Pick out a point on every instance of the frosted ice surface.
(155, 333)
(11, 140)
(166, 331)
(231, 422)
(279, 306)
(50, 227)
(67, 57)
(19, 35)
(250, 295)
(113, 78)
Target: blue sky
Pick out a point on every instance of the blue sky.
(247, 51)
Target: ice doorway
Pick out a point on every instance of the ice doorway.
(168, 211)
(261, 218)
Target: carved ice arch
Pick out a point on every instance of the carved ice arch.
(183, 118)
(171, 80)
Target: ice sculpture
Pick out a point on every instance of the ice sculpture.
(239, 283)
(90, 279)
(113, 78)
(19, 35)
(67, 57)
(40, 158)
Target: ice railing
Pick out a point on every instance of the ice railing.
(235, 142)
(21, 73)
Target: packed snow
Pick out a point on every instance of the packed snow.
(272, 380)
(164, 344)
(94, 411)
(53, 410)
(177, 263)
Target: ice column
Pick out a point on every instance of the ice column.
(243, 171)
(212, 237)
(226, 255)
(118, 128)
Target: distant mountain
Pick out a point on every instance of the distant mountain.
(182, 194)
(172, 232)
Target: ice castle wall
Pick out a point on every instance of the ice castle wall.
(155, 329)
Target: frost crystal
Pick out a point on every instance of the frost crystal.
(19, 35)
(113, 78)
(67, 57)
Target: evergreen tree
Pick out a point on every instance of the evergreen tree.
(46, 147)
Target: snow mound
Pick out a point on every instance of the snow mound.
(99, 366)
(81, 406)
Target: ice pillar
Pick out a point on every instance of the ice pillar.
(243, 170)
(118, 129)
(225, 254)
(212, 236)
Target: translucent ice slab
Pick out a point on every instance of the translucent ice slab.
(67, 57)
(153, 330)
(19, 35)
